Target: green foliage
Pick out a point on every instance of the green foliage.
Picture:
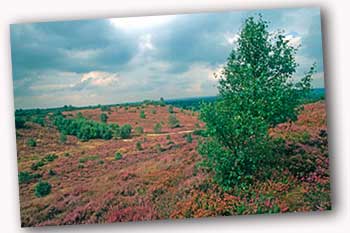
(118, 155)
(89, 158)
(125, 131)
(52, 172)
(256, 92)
(50, 158)
(42, 189)
(142, 114)
(19, 123)
(159, 148)
(188, 137)
(105, 108)
(31, 142)
(103, 117)
(162, 102)
(38, 120)
(153, 111)
(200, 132)
(139, 145)
(139, 130)
(168, 137)
(36, 165)
(173, 122)
(82, 128)
(26, 177)
(157, 128)
(170, 109)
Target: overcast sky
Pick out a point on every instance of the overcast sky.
(106, 61)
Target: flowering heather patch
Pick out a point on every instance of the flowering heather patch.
(163, 180)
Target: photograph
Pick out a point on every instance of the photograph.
(170, 117)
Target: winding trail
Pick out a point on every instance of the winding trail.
(160, 134)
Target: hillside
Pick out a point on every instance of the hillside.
(160, 178)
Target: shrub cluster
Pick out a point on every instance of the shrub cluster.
(85, 129)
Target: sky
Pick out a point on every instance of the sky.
(107, 61)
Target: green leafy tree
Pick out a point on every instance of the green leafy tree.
(103, 117)
(161, 101)
(173, 122)
(256, 92)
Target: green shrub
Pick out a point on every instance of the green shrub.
(105, 108)
(159, 148)
(153, 111)
(142, 114)
(168, 137)
(139, 130)
(173, 122)
(118, 156)
(125, 131)
(31, 142)
(139, 145)
(26, 177)
(36, 165)
(52, 172)
(50, 157)
(19, 122)
(200, 132)
(103, 117)
(88, 158)
(42, 189)
(157, 128)
(189, 138)
(171, 109)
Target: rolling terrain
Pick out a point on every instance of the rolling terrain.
(157, 175)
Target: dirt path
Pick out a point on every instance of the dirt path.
(172, 133)
(160, 134)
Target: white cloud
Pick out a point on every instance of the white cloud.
(232, 39)
(141, 22)
(294, 41)
(99, 78)
(146, 43)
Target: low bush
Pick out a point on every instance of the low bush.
(31, 142)
(37, 165)
(125, 131)
(142, 114)
(139, 145)
(139, 130)
(26, 177)
(157, 128)
(188, 138)
(42, 189)
(118, 156)
(173, 122)
(50, 157)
